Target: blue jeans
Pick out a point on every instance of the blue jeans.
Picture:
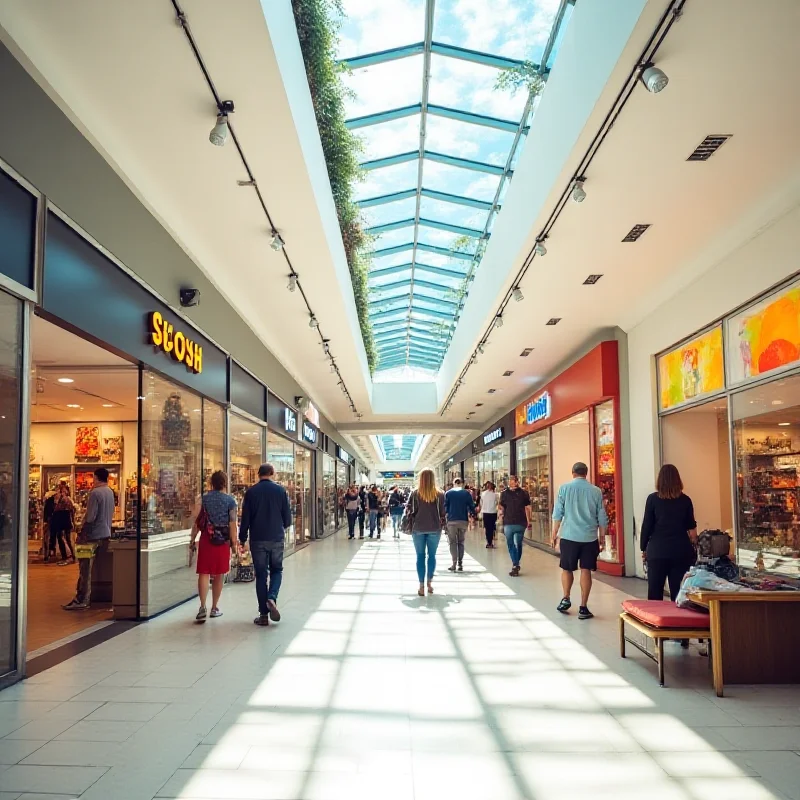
(423, 542)
(352, 518)
(397, 515)
(514, 534)
(373, 521)
(267, 562)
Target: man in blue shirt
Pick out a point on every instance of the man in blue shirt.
(265, 516)
(458, 505)
(580, 522)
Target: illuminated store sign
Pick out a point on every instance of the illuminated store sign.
(289, 420)
(174, 343)
(343, 454)
(493, 436)
(309, 433)
(538, 409)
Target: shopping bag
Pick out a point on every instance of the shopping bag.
(243, 571)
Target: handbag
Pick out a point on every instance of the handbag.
(243, 569)
(216, 534)
(407, 520)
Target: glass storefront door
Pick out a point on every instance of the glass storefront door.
(280, 453)
(533, 467)
(10, 375)
(328, 494)
(247, 453)
(342, 483)
(303, 463)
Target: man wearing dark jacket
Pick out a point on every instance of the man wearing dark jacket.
(265, 516)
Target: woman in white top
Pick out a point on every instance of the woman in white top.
(489, 508)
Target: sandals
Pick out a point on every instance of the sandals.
(430, 589)
(202, 614)
(421, 591)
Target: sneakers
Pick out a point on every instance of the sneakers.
(215, 612)
(564, 606)
(274, 614)
(262, 619)
(202, 614)
(74, 605)
(451, 568)
(460, 568)
(379, 536)
(584, 613)
(514, 571)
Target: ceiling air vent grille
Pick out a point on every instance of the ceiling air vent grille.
(526, 352)
(508, 373)
(635, 232)
(554, 320)
(592, 280)
(492, 391)
(709, 146)
(478, 405)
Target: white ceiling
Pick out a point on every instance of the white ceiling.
(731, 69)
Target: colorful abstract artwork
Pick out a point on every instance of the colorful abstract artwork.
(766, 336)
(692, 370)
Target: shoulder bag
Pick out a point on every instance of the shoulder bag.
(217, 534)
(407, 520)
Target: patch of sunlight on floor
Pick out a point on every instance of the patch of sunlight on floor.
(471, 693)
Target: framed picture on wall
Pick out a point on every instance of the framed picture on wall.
(112, 449)
(87, 444)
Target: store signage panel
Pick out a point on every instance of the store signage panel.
(309, 433)
(692, 370)
(342, 454)
(247, 392)
(312, 414)
(493, 436)
(396, 474)
(174, 343)
(539, 409)
(84, 288)
(289, 421)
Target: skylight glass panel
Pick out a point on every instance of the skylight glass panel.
(382, 87)
(393, 238)
(372, 25)
(386, 180)
(389, 212)
(453, 180)
(393, 260)
(560, 35)
(461, 139)
(389, 138)
(465, 216)
(382, 280)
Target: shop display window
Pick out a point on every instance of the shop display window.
(533, 466)
(606, 473)
(342, 482)
(328, 493)
(303, 462)
(10, 374)
(246, 443)
(766, 437)
(213, 440)
(280, 453)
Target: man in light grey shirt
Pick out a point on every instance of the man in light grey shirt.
(96, 531)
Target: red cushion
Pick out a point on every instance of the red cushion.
(665, 614)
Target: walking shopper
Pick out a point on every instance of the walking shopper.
(668, 533)
(373, 505)
(516, 506)
(426, 508)
(489, 511)
(362, 510)
(96, 532)
(216, 542)
(396, 503)
(352, 503)
(459, 507)
(61, 524)
(265, 517)
(580, 522)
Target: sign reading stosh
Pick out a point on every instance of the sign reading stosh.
(538, 409)
(176, 344)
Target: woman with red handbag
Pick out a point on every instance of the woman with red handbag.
(215, 521)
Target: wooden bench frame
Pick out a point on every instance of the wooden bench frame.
(658, 635)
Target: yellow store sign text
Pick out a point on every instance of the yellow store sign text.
(175, 343)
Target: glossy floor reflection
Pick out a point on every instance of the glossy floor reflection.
(367, 690)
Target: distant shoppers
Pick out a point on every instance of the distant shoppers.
(580, 522)
(459, 508)
(265, 517)
(352, 503)
(396, 503)
(62, 521)
(516, 507)
(373, 506)
(362, 510)
(383, 511)
(426, 508)
(668, 533)
(214, 554)
(489, 511)
(96, 532)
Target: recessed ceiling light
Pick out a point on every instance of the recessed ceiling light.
(508, 373)
(108, 405)
(526, 352)
(72, 405)
(554, 320)
(66, 380)
(492, 391)
(784, 424)
(592, 280)
(777, 402)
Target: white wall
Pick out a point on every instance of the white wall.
(571, 443)
(760, 254)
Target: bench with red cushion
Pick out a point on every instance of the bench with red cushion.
(665, 614)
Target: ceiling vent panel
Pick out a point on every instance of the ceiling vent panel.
(592, 280)
(635, 232)
(709, 146)
(526, 352)
(554, 320)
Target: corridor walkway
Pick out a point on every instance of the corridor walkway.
(480, 692)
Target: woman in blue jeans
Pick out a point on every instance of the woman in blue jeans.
(426, 508)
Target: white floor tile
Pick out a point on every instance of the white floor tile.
(49, 780)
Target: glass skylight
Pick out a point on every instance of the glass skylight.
(440, 142)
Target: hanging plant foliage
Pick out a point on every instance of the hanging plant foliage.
(318, 23)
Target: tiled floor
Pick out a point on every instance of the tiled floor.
(367, 691)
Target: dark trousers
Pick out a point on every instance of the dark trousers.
(352, 516)
(361, 515)
(268, 565)
(62, 536)
(665, 569)
(489, 526)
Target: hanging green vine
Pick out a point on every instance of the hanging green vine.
(318, 23)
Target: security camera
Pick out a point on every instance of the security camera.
(190, 297)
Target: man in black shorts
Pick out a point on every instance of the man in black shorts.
(580, 523)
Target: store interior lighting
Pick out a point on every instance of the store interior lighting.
(541, 250)
(313, 322)
(292, 285)
(654, 78)
(517, 294)
(578, 192)
(499, 321)
(277, 243)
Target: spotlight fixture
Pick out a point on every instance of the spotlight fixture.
(333, 367)
(313, 322)
(578, 192)
(326, 347)
(219, 133)
(498, 321)
(292, 285)
(541, 250)
(517, 294)
(276, 242)
(654, 78)
(481, 348)
(189, 297)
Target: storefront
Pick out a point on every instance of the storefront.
(491, 461)
(452, 470)
(344, 464)
(574, 418)
(729, 419)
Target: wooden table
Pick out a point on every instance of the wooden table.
(755, 636)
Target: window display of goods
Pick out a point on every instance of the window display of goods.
(112, 449)
(87, 443)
